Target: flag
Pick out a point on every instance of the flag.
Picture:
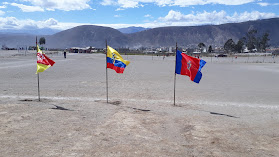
(43, 62)
(115, 61)
(190, 66)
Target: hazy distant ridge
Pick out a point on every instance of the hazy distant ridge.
(130, 30)
(208, 34)
(89, 35)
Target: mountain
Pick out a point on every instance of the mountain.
(130, 30)
(90, 35)
(87, 35)
(208, 34)
(43, 31)
(14, 40)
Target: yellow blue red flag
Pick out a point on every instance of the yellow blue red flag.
(115, 61)
(43, 62)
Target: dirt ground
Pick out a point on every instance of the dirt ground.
(233, 112)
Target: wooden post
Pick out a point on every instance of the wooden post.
(107, 69)
(38, 75)
(174, 77)
(39, 87)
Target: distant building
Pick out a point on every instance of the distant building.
(276, 52)
(245, 50)
(4, 47)
(219, 50)
(82, 50)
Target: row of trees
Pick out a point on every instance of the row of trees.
(251, 41)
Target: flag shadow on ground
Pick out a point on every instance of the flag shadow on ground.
(138, 109)
(117, 103)
(221, 114)
(35, 100)
(213, 113)
(60, 108)
(26, 100)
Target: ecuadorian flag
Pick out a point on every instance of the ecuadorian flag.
(115, 61)
(43, 62)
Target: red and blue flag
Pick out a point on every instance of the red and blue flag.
(190, 66)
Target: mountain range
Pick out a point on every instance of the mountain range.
(35, 31)
(186, 36)
(130, 30)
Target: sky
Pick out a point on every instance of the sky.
(65, 14)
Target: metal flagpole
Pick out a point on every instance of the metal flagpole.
(107, 69)
(38, 74)
(174, 76)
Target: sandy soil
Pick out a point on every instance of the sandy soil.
(234, 111)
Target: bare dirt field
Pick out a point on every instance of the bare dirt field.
(233, 112)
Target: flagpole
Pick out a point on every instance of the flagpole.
(38, 74)
(107, 69)
(39, 87)
(174, 77)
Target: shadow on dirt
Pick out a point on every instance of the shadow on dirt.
(116, 103)
(221, 114)
(60, 108)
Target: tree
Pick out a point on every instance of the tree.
(239, 46)
(251, 38)
(210, 49)
(42, 41)
(201, 45)
(229, 46)
(252, 41)
(264, 42)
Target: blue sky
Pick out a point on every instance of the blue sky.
(65, 14)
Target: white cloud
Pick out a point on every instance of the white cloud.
(184, 3)
(135, 3)
(8, 22)
(202, 18)
(2, 7)
(255, 15)
(147, 15)
(267, 4)
(50, 22)
(50, 9)
(128, 3)
(14, 23)
(119, 9)
(181, 3)
(117, 16)
(2, 12)
(66, 5)
(108, 2)
(263, 4)
(26, 8)
(173, 18)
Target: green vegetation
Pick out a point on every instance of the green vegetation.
(201, 46)
(251, 41)
(42, 41)
(210, 50)
(229, 46)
